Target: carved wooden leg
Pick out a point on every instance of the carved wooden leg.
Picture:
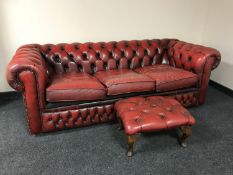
(131, 139)
(184, 133)
(120, 127)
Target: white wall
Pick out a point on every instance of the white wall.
(53, 21)
(218, 33)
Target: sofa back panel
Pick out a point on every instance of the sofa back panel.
(94, 57)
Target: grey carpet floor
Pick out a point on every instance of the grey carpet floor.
(100, 149)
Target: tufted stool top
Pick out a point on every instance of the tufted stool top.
(139, 114)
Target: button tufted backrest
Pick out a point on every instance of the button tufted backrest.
(191, 57)
(94, 57)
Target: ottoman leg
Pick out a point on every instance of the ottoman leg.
(185, 132)
(131, 139)
(120, 127)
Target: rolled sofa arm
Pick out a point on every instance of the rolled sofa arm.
(195, 58)
(27, 72)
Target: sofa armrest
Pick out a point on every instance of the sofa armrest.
(27, 72)
(195, 58)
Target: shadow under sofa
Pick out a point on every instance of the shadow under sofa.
(73, 85)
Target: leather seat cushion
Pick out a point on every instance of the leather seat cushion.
(124, 81)
(169, 78)
(139, 114)
(74, 87)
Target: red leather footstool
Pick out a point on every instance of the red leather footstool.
(138, 114)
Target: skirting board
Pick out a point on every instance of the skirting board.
(9, 95)
(222, 88)
(14, 95)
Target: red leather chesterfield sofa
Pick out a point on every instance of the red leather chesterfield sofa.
(73, 85)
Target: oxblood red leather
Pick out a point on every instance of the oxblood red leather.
(58, 120)
(186, 99)
(194, 58)
(139, 114)
(27, 72)
(33, 67)
(95, 57)
(124, 81)
(74, 87)
(169, 78)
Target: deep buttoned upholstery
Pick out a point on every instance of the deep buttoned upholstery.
(139, 114)
(95, 57)
(41, 71)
